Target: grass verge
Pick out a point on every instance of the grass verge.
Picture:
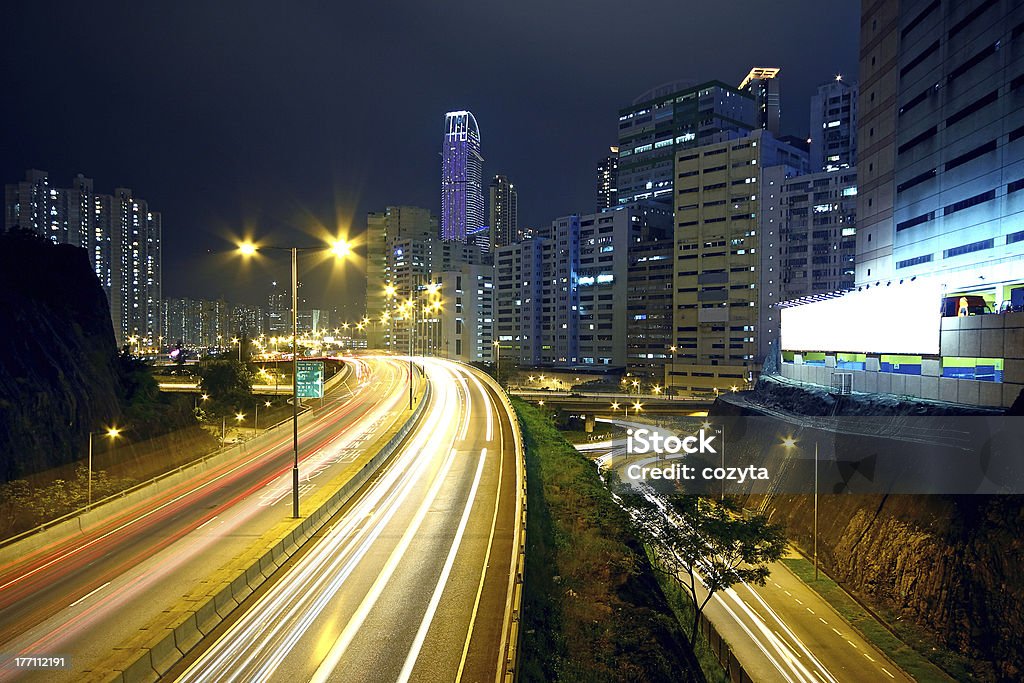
(682, 607)
(592, 607)
(908, 658)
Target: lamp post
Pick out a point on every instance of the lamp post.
(340, 249)
(497, 362)
(112, 433)
(789, 443)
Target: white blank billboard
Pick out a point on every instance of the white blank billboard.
(899, 318)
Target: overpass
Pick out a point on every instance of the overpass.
(615, 404)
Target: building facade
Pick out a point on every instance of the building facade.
(727, 272)
(395, 223)
(816, 217)
(504, 212)
(121, 235)
(834, 126)
(561, 296)
(649, 309)
(462, 196)
(942, 129)
(608, 181)
(670, 118)
(762, 82)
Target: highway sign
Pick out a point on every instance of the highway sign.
(311, 379)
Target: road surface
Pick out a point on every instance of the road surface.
(413, 581)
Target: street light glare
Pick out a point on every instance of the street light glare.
(113, 432)
(789, 442)
(247, 248)
(341, 248)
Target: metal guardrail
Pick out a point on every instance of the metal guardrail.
(77, 514)
(512, 625)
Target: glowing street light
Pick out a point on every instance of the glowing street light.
(110, 433)
(789, 443)
(340, 249)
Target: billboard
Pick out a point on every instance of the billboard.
(893, 318)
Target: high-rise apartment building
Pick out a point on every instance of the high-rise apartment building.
(504, 212)
(122, 236)
(463, 325)
(727, 270)
(815, 216)
(608, 180)
(834, 126)
(196, 324)
(462, 196)
(383, 228)
(941, 134)
(279, 310)
(670, 118)
(762, 82)
(246, 321)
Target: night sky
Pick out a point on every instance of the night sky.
(283, 120)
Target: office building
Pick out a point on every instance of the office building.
(670, 118)
(122, 236)
(608, 181)
(382, 228)
(941, 131)
(413, 263)
(561, 296)
(727, 271)
(462, 327)
(815, 216)
(504, 212)
(762, 82)
(649, 309)
(462, 196)
(279, 310)
(834, 126)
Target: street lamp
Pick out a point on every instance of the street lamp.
(340, 249)
(238, 342)
(789, 443)
(111, 433)
(497, 361)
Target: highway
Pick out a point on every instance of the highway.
(86, 596)
(413, 581)
(782, 631)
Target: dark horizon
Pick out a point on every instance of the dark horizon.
(230, 125)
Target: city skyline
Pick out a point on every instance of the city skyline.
(331, 172)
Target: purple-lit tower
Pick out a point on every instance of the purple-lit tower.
(462, 191)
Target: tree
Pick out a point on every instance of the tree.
(228, 383)
(703, 542)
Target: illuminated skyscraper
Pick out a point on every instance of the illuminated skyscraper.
(462, 195)
(763, 83)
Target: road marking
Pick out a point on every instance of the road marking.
(787, 593)
(327, 666)
(92, 592)
(487, 554)
(206, 522)
(818, 674)
(869, 656)
(886, 672)
(776, 585)
(810, 610)
(823, 621)
(799, 600)
(435, 599)
(852, 643)
(837, 632)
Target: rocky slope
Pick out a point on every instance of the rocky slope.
(951, 564)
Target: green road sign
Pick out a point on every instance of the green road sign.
(311, 379)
